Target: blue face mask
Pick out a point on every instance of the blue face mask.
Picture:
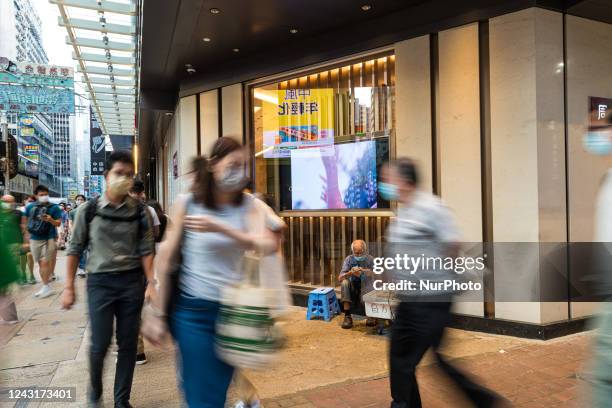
(388, 191)
(359, 258)
(597, 143)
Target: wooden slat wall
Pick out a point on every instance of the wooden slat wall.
(314, 247)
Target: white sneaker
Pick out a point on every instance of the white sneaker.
(81, 273)
(37, 294)
(45, 292)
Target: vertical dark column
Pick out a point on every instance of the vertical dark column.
(568, 237)
(243, 105)
(485, 165)
(198, 130)
(220, 110)
(435, 103)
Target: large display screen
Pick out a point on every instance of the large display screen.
(334, 177)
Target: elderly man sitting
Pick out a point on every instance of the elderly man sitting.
(355, 269)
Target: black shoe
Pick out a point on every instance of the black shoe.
(141, 359)
(92, 402)
(125, 404)
(348, 322)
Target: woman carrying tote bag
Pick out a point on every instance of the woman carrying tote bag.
(201, 257)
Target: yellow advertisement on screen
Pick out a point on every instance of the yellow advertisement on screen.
(296, 119)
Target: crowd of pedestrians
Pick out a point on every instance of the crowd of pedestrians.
(184, 265)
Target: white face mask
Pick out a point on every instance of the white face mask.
(79, 202)
(8, 206)
(43, 199)
(119, 185)
(232, 180)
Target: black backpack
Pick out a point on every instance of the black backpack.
(36, 225)
(91, 211)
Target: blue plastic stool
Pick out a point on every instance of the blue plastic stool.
(323, 303)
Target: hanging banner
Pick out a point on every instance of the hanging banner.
(98, 145)
(296, 119)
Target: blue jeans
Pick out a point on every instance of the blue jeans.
(203, 376)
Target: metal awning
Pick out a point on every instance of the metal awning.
(104, 38)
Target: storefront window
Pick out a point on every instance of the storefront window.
(320, 139)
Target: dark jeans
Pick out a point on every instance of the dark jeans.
(114, 296)
(417, 327)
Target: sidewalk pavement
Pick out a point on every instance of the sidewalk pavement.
(322, 365)
(540, 375)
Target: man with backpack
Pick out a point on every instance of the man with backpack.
(115, 230)
(43, 219)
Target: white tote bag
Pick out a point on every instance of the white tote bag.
(247, 335)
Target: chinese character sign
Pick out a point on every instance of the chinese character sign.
(601, 112)
(33, 99)
(295, 119)
(31, 68)
(98, 146)
(31, 152)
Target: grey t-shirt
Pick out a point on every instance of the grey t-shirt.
(211, 260)
(424, 228)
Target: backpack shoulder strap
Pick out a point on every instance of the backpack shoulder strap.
(90, 210)
(140, 211)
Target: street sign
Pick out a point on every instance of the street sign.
(34, 99)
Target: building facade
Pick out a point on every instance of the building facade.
(22, 41)
(63, 133)
(494, 110)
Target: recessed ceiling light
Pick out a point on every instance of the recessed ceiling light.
(206, 39)
(293, 31)
(236, 50)
(214, 10)
(366, 7)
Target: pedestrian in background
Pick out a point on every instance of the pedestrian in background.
(43, 219)
(11, 239)
(62, 229)
(423, 225)
(210, 234)
(163, 222)
(79, 200)
(116, 230)
(26, 260)
(13, 215)
(138, 193)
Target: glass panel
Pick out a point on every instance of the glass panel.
(320, 139)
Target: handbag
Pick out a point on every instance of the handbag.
(247, 333)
